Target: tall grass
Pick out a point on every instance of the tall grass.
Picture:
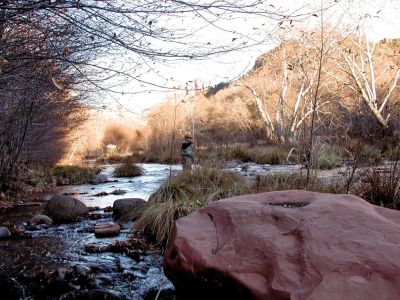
(182, 195)
(262, 155)
(381, 186)
(128, 169)
(73, 174)
(327, 157)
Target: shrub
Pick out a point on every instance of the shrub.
(272, 155)
(371, 155)
(327, 157)
(381, 186)
(164, 157)
(277, 182)
(128, 169)
(262, 155)
(112, 159)
(239, 152)
(363, 154)
(73, 174)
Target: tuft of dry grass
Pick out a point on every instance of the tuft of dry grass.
(272, 155)
(184, 194)
(381, 186)
(128, 169)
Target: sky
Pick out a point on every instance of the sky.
(378, 16)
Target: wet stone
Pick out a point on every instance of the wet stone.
(61, 273)
(82, 270)
(4, 232)
(100, 178)
(40, 219)
(106, 229)
(104, 279)
(118, 192)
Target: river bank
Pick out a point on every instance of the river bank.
(55, 261)
(69, 261)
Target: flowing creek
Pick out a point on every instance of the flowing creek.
(64, 244)
(133, 279)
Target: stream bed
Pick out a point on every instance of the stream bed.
(64, 245)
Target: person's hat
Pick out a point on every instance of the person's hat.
(188, 136)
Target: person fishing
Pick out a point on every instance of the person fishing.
(187, 153)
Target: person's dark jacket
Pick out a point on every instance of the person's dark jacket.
(187, 149)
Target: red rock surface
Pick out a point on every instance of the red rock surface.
(106, 229)
(287, 245)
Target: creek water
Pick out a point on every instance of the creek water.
(133, 279)
(135, 187)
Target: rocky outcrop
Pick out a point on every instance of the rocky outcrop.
(286, 245)
(63, 209)
(40, 219)
(122, 207)
(106, 229)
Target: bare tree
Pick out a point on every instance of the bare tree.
(363, 76)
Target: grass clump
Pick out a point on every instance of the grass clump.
(111, 159)
(272, 155)
(128, 169)
(327, 157)
(381, 186)
(66, 175)
(183, 194)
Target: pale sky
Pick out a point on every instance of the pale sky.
(380, 18)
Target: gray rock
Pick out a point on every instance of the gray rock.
(63, 208)
(82, 270)
(93, 283)
(61, 273)
(123, 206)
(4, 232)
(104, 279)
(46, 198)
(41, 219)
(100, 178)
(118, 192)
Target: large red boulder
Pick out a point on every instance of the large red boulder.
(286, 245)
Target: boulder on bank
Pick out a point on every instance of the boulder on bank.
(40, 219)
(63, 209)
(100, 178)
(286, 245)
(106, 229)
(4, 232)
(121, 207)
